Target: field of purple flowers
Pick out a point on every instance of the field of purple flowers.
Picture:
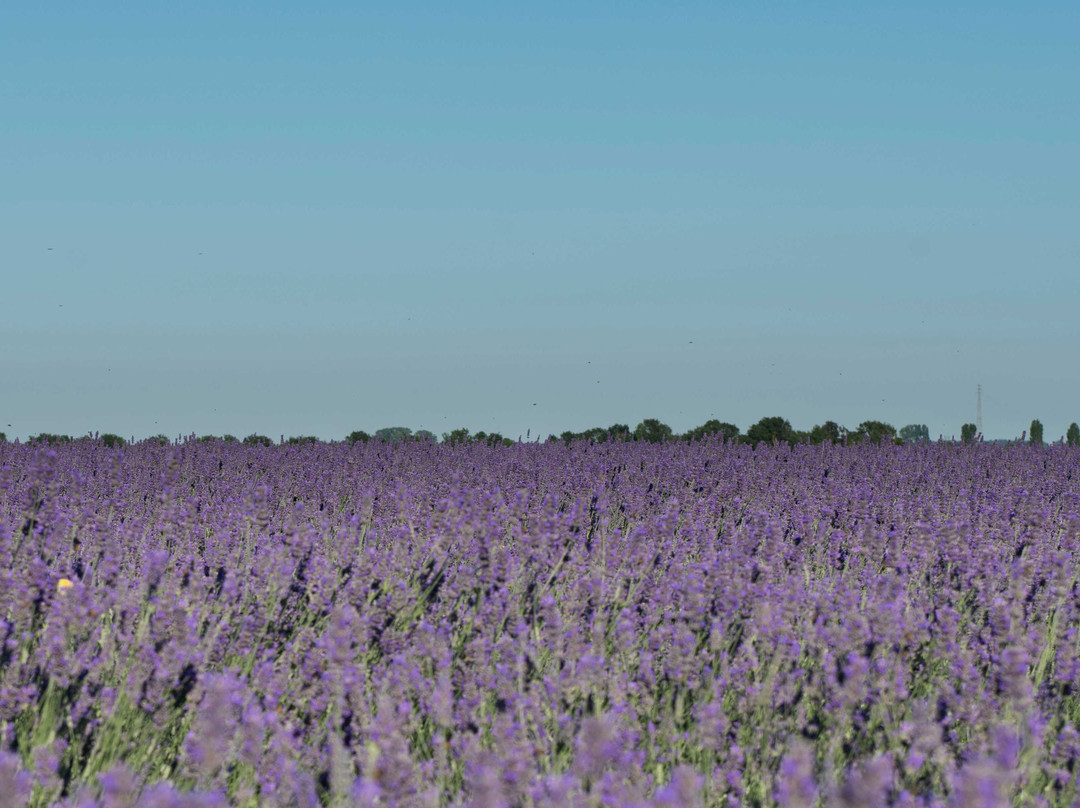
(538, 625)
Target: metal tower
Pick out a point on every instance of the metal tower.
(978, 409)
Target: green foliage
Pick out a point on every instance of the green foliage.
(494, 439)
(358, 435)
(915, 433)
(302, 439)
(828, 431)
(713, 427)
(770, 430)
(208, 438)
(3, 437)
(598, 434)
(260, 440)
(161, 440)
(425, 435)
(456, 437)
(49, 438)
(967, 433)
(1036, 432)
(229, 438)
(112, 441)
(876, 431)
(651, 430)
(1072, 436)
(393, 434)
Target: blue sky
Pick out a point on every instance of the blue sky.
(312, 218)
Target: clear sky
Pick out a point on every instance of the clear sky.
(310, 218)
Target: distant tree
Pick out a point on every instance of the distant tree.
(915, 433)
(1037, 432)
(393, 434)
(652, 430)
(494, 439)
(3, 437)
(876, 431)
(208, 438)
(229, 438)
(457, 436)
(425, 435)
(261, 440)
(770, 430)
(160, 440)
(47, 437)
(1072, 437)
(967, 433)
(713, 427)
(303, 439)
(828, 431)
(619, 432)
(358, 436)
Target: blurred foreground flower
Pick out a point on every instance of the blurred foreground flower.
(64, 583)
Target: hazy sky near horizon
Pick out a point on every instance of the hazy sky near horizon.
(312, 218)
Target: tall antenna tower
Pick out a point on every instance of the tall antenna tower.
(978, 409)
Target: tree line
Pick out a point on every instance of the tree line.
(651, 430)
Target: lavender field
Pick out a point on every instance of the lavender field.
(538, 625)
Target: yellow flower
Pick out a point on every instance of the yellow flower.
(63, 584)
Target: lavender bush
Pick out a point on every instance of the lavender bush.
(700, 624)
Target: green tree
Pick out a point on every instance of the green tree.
(652, 430)
(619, 432)
(393, 434)
(208, 438)
(596, 434)
(876, 431)
(3, 437)
(303, 439)
(47, 437)
(358, 435)
(967, 433)
(713, 427)
(261, 440)
(160, 440)
(456, 437)
(828, 431)
(1072, 436)
(915, 433)
(770, 430)
(1036, 432)
(494, 439)
(425, 435)
(229, 438)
